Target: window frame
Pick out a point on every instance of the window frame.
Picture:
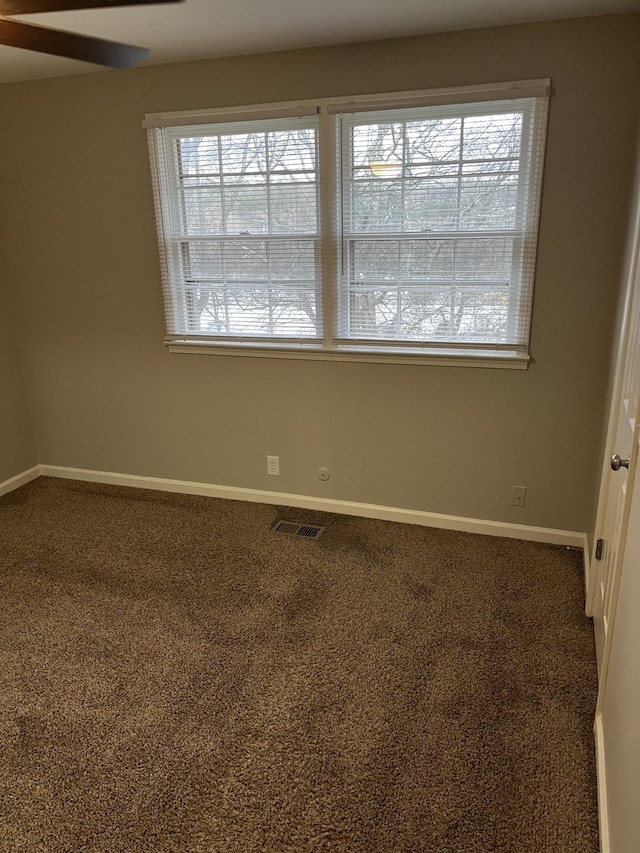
(178, 241)
(330, 200)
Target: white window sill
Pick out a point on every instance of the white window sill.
(450, 358)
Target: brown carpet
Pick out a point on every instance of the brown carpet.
(176, 677)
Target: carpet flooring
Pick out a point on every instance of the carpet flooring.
(174, 676)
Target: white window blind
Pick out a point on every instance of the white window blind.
(238, 205)
(439, 220)
(418, 237)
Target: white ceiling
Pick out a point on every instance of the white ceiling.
(199, 29)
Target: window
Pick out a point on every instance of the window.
(397, 228)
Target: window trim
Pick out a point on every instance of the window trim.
(328, 109)
(477, 358)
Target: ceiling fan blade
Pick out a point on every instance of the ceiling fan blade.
(31, 7)
(70, 45)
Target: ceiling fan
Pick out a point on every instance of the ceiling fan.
(66, 44)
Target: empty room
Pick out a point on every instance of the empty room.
(319, 426)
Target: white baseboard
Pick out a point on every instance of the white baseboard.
(603, 814)
(19, 480)
(385, 513)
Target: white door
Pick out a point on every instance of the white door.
(617, 485)
(618, 715)
(613, 594)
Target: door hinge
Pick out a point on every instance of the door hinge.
(599, 547)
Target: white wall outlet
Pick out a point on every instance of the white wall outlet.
(323, 474)
(518, 495)
(273, 466)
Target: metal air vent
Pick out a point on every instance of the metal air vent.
(292, 528)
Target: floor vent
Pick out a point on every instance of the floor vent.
(292, 528)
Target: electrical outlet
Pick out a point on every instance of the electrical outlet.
(273, 466)
(518, 495)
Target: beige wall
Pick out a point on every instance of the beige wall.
(17, 448)
(78, 243)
